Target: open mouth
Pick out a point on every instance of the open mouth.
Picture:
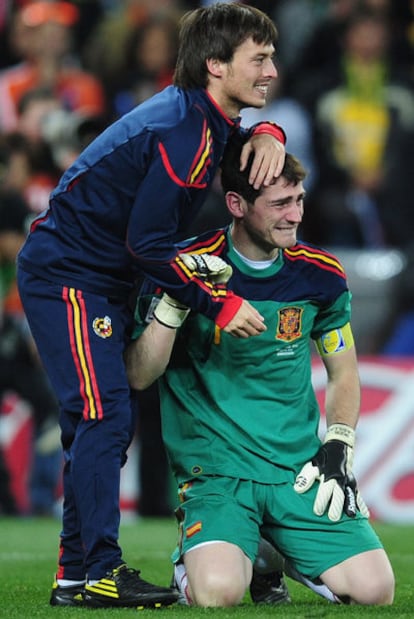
(262, 89)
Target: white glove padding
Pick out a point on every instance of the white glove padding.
(209, 267)
(170, 312)
(332, 466)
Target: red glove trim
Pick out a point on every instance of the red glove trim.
(271, 129)
(230, 308)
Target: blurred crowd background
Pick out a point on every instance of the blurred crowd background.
(345, 97)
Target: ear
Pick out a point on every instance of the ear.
(214, 67)
(236, 205)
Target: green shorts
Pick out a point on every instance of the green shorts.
(240, 512)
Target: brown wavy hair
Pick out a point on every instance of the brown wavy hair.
(216, 32)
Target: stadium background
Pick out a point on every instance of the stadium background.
(384, 460)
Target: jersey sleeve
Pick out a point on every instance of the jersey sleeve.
(333, 316)
(143, 315)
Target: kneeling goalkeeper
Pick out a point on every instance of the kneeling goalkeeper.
(240, 418)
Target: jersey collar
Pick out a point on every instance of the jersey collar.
(249, 270)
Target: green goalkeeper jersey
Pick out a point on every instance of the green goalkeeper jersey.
(246, 408)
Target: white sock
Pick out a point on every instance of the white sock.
(64, 582)
(181, 580)
(270, 560)
(320, 589)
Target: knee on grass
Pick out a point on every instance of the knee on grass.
(219, 591)
(375, 591)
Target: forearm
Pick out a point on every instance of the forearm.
(198, 293)
(332, 464)
(147, 357)
(343, 402)
(343, 394)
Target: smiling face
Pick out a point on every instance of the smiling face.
(271, 223)
(245, 80)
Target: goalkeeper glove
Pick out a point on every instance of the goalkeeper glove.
(209, 267)
(332, 466)
(170, 312)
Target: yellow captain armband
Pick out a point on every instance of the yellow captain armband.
(335, 341)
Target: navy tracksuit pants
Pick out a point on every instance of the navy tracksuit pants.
(81, 338)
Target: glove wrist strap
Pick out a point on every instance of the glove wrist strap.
(170, 313)
(340, 432)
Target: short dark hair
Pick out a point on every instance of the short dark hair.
(215, 32)
(234, 179)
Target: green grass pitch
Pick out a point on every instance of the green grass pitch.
(28, 548)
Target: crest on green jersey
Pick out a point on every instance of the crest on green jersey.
(289, 326)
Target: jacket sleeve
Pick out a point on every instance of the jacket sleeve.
(174, 188)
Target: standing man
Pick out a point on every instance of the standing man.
(116, 213)
(240, 418)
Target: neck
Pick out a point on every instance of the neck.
(229, 107)
(243, 245)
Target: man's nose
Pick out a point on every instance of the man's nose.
(270, 69)
(295, 212)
